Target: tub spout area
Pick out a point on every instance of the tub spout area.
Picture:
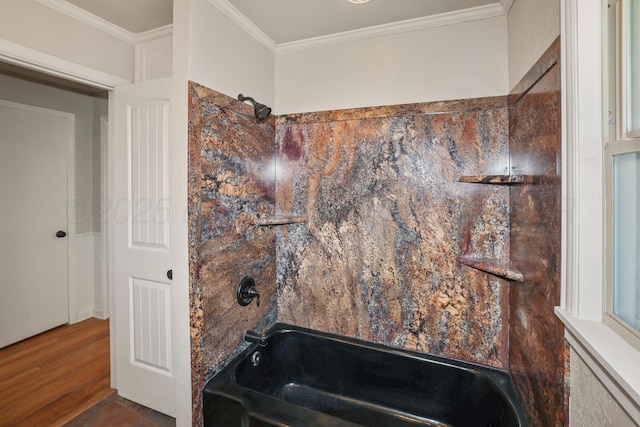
(254, 337)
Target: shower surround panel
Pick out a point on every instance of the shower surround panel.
(231, 184)
(536, 335)
(386, 221)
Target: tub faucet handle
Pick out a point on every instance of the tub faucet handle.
(247, 291)
(253, 292)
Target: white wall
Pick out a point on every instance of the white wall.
(464, 60)
(35, 26)
(84, 276)
(225, 58)
(100, 111)
(100, 142)
(533, 26)
(153, 59)
(590, 403)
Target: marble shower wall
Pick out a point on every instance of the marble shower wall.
(386, 220)
(231, 184)
(536, 358)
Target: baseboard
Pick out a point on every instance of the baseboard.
(89, 293)
(100, 314)
(84, 316)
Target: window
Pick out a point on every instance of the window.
(612, 359)
(622, 170)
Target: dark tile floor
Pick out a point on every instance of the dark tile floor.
(117, 411)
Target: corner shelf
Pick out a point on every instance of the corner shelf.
(497, 267)
(499, 179)
(280, 220)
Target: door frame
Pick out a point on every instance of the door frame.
(105, 310)
(31, 59)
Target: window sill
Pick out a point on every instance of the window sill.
(614, 361)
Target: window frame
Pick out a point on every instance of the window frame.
(611, 359)
(617, 140)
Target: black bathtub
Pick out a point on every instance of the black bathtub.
(306, 378)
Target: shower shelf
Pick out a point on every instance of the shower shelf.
(498, 267)
(499, 179)
(281, 220)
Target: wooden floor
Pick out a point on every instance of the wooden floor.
(51, 378)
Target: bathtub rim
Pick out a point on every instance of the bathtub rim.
(226, 376)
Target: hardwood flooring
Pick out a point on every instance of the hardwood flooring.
(52, 377)
(62, 376)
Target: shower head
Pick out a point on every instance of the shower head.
(261, 111)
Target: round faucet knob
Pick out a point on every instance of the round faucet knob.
(247, 291)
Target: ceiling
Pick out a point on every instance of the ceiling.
(292, 20)
(282, 20)
(136, 16)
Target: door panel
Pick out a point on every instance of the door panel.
(149, 175)
(34, 293)
(151, 326)
(142, 250)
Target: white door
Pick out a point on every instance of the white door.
(141, 247)
(34, 292)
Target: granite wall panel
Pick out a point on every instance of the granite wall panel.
(231, 185)
(386, 220)
(536, 354)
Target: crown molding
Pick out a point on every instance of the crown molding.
(231, 12)
(89, 19)
(156, 33)
(506, 5)
(449, 18)
(85, 17)
(243, 22)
